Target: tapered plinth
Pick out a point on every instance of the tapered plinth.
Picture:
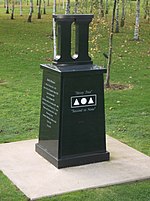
(72, 120)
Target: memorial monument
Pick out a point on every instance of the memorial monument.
(72, 119)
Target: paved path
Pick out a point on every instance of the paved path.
(36, 177)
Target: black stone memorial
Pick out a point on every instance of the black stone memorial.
(72, 120)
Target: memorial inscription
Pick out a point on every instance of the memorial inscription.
(83, 101)
(50, 106)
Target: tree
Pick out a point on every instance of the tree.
(146, 10)
(117, 16)
(85, 5)
(7, 6)
(101, 8)
(110, 47)
(76, 6)
(44, 10)
(54, 28)
(63, 4)
(122, 14)
(67, 7)
(39, 9)
(137, 21)
(31, 11)
(12, 9)
(106, 7)
(20, 7)
(91, 6)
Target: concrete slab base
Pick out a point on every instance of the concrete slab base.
(37, 178)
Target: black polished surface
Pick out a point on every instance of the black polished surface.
(83, 127)
(72, 121)
(50, 112)
(64, 37)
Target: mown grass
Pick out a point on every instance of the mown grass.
(23, 46)
(137, 191)
(9, 192)
(126, 192)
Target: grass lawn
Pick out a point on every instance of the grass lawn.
(137, 191)
(23, 46)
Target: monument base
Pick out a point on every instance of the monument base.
(72, 160)
(72, 119)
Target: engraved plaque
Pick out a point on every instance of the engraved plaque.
(50, 112)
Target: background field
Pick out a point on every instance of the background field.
(23, 46)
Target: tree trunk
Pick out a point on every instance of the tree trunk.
(117, 17)
(54, 28)
(146, 10)
(110, 47)
(101, 8)
(91, 6)
(137, 21)
(86, 5)
(39, 9)
(20, 7)
(12, 10)
(7, 6)
(106, 9)
(58, 4)
(63, 4)
(67, 7)
(123, 14)
(76, 6)
(31, 11)
(44, 10)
